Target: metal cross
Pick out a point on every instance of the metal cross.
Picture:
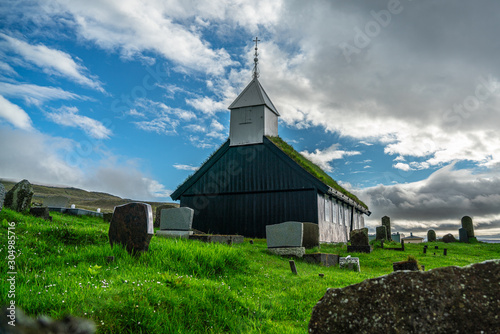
(256, 59)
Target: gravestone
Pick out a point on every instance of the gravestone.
(359, 241)
(158, 212)
(179, 219)
(56, 201)
(310, 235)
(381, 233)
(351, 263)
(431, 236)
(19, 197)
(386, 221)
(405, 265)
(443, 300)
(132, 227)
(447, 238)
(468, 225)
(287, 234)
(2, 195)
(288, 251)
(463, 235)
(42, 212)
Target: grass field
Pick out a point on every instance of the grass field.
(182, 286)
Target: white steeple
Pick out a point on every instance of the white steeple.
(253, 115)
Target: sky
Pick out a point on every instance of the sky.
(399, 101)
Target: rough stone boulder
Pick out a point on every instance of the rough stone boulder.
(447, 238)
(19, 197)
(442, 300)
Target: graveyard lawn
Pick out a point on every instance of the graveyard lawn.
(184, 286)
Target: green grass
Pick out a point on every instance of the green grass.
(312, 168)
(183, 286)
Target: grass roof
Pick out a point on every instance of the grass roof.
(312, 168)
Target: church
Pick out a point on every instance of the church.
(256, 179)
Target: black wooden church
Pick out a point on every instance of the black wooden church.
(255, 179)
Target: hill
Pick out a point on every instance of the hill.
(90, 200)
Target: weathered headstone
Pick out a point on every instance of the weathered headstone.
(359, 241)
(431, 236)
(405, 265)
(56, 201)
(287, 234)
(288, 251)
(463, 236)
(158, 212)
(310, 237)
(448, 238)
(42, 212)
(468, 225)
(132, 227)
(2, 195)
(351, 263)
(442, 300)
(19, 197)
(386, 221)
(381, 233)
(179, 219)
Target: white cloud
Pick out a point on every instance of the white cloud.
(34, 94)
(21, 152)
(402, 166)
(15, 115)
(68, 116)
(323, 158)
(185, 167)
(438, 201)
(52, 61)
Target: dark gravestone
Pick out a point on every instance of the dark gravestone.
(447, 238)
(42, 212)
(2, 195)
(442, 300)
(405, 265)
(310, 237)
(381, 233)
(468, 225)
(463, 236)
(327, 260)
(431, 236)
(359, 241)
(158, 212)
(19, 197)
(386, 221)
(132, 227)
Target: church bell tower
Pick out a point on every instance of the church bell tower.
(253, 115)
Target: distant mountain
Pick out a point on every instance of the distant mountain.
(90, 200)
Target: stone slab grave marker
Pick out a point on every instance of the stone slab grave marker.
(351, 263)
(463, 235)
(359, 241)
(468, 225)
(56, 201)
(42, 212)
(287, 234)
(431, 236)
(447, 238)
(310, 234)
(178, 219)
(19, 197)
(132, 227)
(158, 212)
(386, 221)
(381, 233)
(2, 195)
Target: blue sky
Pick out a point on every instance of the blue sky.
(397, 100)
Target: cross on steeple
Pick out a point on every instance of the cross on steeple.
(256, 59)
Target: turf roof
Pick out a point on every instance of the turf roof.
(312, 168)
